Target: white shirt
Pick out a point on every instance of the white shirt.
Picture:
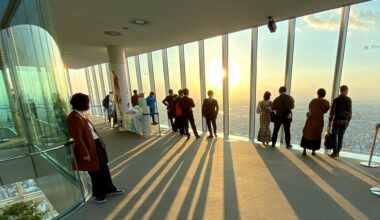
(94, 134)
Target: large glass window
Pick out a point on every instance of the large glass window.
(239, 63)
(95, 103)
(215, 73)
(78, 81)
(361, 75)
(107, 78)
(314, 62)
(101, 82)
(132, 73)
(145, 74)
(271, 58)
(193, 80)
(174, 68)
(161, 92)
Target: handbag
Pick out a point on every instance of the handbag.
(273, 117)
(328, 141)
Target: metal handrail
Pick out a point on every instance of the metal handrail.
(370, 164)
(38, 153)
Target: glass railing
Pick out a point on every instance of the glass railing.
(45, 177)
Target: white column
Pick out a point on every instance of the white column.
(289, 54)
(340, 51)
(182, 65)
(101, 79)
(118, 69)
(252, 109)
(151, 72)
(289, 62)
(202, 77)
(226, 123)
(138, 75)
(166, 70)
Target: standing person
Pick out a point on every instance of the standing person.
(168, 103)
(264, 108)
(187, 111)
(177, 111)
(106, 105)
(89, 151)
(151, 102)
(282, 106)
(135, 98)
(340, 117)
(210, 109)
(312, 132)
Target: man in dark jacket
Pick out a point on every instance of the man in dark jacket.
(168, 103)
(135, 98)
(187, 111)
(210, 109)
(176, 108)
(282, 106)
(340, 117)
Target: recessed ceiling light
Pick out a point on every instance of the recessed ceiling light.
(141, 22)
(112, 33)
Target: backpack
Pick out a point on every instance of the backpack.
(178, 109)
(106, 102)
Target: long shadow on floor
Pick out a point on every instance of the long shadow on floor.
(167, 188)
(306, 198)
(127, 159)
(129, 179)
(207, 157)
(231, 206)
(347, 183)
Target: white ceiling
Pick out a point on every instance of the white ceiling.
(80, 24)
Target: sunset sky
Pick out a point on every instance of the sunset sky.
(314, 58)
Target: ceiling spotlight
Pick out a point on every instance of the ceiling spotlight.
(112, 33)
(272, 25)
(139, 22)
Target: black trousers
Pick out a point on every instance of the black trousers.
(209, 122)
(170, 117)
(179, 125)
(337, 134)
(101, 179)
(152, 111)
(277, 125)
(192, 123)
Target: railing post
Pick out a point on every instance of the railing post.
(369, 163)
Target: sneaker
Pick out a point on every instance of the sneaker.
(215, 134)
(99, 200)
(197, 136)
(188, 136)
(117, 192)
(210, 136)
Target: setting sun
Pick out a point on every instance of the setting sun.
(216, 73)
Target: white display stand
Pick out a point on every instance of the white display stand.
(145, 119)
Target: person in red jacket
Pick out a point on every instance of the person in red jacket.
(89, 151)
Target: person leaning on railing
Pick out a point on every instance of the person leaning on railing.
(89, 149)
(340, 117)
